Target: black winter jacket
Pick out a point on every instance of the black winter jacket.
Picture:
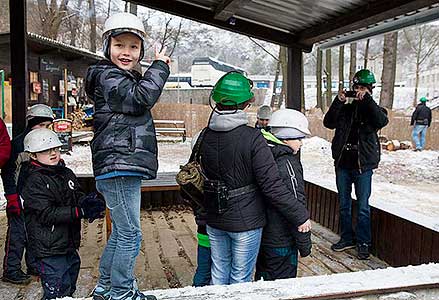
(124, 131)
(11, 171)
(279, 232)
(51, 197)
(371, 118)
(422, 115)
(240, 157)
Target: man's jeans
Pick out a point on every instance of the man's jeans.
(122, 196)
(419, 130)
(363, 184)
(234, 254)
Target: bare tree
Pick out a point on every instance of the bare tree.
(51, 15)
(74, 23)
(92, 17)
(283, 62)
(366, 54)
(328, 71)
(276, 79)
(353, 62)
(319, 79)
(340, 67)
(422, 41)
(389, 69)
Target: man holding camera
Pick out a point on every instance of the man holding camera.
(356, 152)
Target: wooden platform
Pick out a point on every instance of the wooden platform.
(168, 255)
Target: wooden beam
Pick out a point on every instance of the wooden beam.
(227, 8)
(18, 50)
(294, 79)
(372, 13)
(207, 16)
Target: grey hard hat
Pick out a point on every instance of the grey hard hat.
(264, 112)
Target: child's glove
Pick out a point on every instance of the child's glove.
(13, 207)
(92, 207)
(303, 242)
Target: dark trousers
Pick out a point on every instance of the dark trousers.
(363, 185)
(276, 263)
(59, 274)
(202, 275)
(15, 244)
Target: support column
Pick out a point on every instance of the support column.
(18, 51)
(294, 79)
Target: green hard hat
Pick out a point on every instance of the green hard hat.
(423, 99)
(232, 89)
(363, 77)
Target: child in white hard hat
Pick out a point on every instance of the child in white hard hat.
(278, 257)
(124, 148)
(37, 116)
(54, 205)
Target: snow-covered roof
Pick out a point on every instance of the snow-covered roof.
(58, 44)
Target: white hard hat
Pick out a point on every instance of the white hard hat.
(289, 123)
(264, 112)
(39, 110)
(122, 23)
(41, 139)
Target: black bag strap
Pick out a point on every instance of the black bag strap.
(195, 155)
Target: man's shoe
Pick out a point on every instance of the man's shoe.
(363, 251)
(100, 294)
(136, 295)
(342, 245)
(18, 277)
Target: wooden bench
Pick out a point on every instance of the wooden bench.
(171, 127)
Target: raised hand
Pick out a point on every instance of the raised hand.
(161, 55)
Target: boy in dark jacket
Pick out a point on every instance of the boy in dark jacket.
(54, 206)
(356, 152)
(37, 116)
(124, 146)
(278, 257)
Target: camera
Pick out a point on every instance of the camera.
(350, 94)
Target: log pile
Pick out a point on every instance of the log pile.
(393, 145)
(77, 118)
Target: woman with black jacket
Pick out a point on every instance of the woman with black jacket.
(242, 175)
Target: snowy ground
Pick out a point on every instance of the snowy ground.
(405, 184)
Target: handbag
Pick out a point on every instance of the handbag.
(191, 177)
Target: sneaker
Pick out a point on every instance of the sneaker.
(136, 295)
(18, 277)
(342, 245)
(100, 294)
(363, 251)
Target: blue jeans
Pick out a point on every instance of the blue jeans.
(234, 254)
(419, 130)
(122, 196)
(363, 185)
(204, 263)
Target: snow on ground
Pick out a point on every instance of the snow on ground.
(405, 184)
(314, 286)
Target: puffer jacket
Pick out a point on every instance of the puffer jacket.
(370, 118)
(239, 156)
(124, 133)
(51, 197)
(279, 232)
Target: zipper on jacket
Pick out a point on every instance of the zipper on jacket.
(292, 177)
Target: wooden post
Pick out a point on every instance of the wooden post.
(65, 94)
(107, 223)
(18, 50)
(294, 78)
